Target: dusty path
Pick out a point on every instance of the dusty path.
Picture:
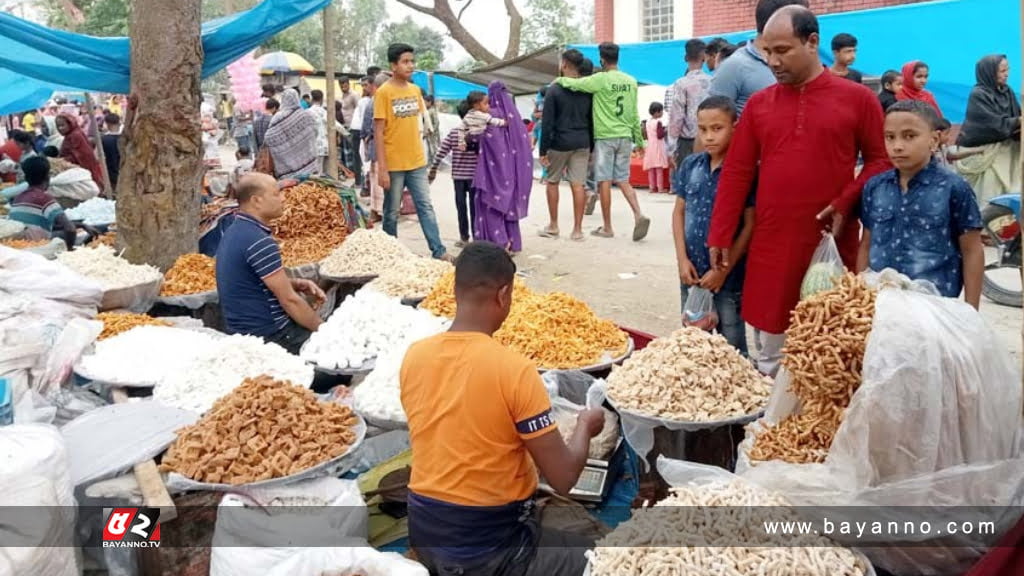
(633, 283)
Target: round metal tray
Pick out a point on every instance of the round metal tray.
(366, 368)
(366, 279)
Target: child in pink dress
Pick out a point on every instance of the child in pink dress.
(655, 157)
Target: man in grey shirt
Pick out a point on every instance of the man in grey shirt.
(747, 71)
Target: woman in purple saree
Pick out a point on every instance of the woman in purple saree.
(504, 174)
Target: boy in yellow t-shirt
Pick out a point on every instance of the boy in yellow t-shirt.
(480, 428)
(401, 161)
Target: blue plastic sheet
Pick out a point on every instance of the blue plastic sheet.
(445, 87)
(36, 60)
(888, 38)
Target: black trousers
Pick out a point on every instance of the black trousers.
(465, 193)
(291, 337)
(357, 160)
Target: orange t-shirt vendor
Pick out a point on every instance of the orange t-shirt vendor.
(480, 426)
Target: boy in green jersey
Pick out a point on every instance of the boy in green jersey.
(616, 130)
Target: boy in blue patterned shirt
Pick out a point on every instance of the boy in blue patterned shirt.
(695, 183)
(920, 219)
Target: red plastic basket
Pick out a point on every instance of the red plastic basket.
(640, 339)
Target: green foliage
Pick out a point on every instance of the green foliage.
(549, 22)
(357, 31)
(428, 42)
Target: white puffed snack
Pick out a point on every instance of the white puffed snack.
(689, 376)
(365, 324)
(108, 269)
(364, 253)
(144, 355)
(220, 368)
(718, 529)
(378, 396)
(410, 278)
(94, 211)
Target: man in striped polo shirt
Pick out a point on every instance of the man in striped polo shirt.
(256, 296)
(36, 208)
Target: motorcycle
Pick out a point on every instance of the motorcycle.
(1002, 236)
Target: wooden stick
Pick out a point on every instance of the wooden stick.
(154, 493)
(329, 104)
(100, 154)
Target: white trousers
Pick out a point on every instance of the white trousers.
(768, 351)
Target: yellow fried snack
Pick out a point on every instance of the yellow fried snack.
(115, 323)
(22, 244)
(824, 354)
(191, 274)
(313, 224)
(555, 330)
(263, 429)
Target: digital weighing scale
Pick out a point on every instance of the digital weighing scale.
(597, 477)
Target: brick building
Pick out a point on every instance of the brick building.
(628, 21)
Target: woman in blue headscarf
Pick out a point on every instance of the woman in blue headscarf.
(504, 174)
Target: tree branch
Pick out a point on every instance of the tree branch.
(443, 11)
(419, 8)
(515, 29)
(459, 17)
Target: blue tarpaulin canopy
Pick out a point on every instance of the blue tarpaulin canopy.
(35, 60)
(445, 87)
(888, 38)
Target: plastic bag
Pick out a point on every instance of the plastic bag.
(936, 421)
(309, 537)
(73, 340)
(570, 394)
(699, 310)
(38, 536)
(112, 439)
(75, 184)
(825, 268)
(49, 251)
(22, 272)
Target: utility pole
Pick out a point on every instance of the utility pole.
(332, 134)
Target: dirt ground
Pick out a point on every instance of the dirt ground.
(633, 283)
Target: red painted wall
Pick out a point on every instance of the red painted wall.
(604, 21)
(721, 16)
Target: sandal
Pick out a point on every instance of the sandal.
(588, 209)
(547, 233)
(577, 237)
(641, 228)
(601, 233)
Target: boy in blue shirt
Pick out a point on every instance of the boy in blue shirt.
(919, 219)
(695, 183)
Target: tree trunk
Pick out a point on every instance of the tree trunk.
(161, 173)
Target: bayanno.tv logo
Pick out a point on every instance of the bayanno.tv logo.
(132, 528)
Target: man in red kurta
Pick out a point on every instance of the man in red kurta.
(800, 139)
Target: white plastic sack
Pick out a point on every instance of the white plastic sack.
(49, 251)
(74, 183)
(112, 439)
(138, 299)
(37, 450)
(353, 557)
(259, 531)
(22, 272)
(936, 421)
(37, 529)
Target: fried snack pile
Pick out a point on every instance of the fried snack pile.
(312, 225)
(263, 429)
(22, 244)
(689, 376)
(824, 354)
(555, 330)
(411, 278)
(108, 239)
(717, 529)
(114, 323)
(191, 274)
